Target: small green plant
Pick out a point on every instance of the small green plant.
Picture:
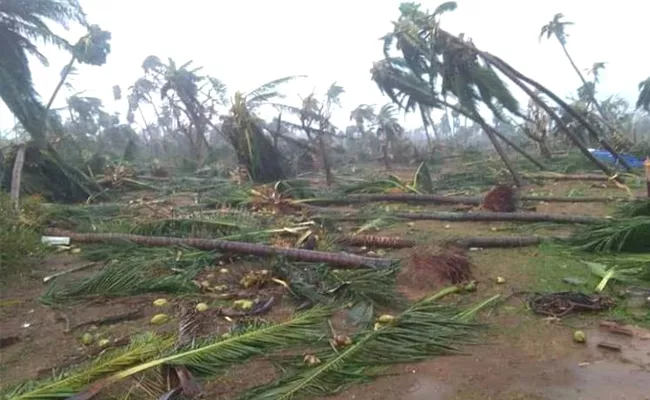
(19, 238)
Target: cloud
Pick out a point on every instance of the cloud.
(248, 42)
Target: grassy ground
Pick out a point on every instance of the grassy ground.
(523, 355)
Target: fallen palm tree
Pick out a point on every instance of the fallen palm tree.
(503, 241)
(443, 199)
(465, 242)
(502, 217)
(339, 259)
(570, 177)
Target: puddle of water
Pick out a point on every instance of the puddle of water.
(597, 374)
(426, 389)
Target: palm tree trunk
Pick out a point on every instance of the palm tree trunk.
(517, 77)
(600, 110)
(496, 133)
(339, 259)
(497, 146)
(16, 176)
(59, 85)
(571, 111)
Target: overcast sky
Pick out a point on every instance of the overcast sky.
(248, 42)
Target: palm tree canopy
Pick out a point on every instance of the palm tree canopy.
(23, 24)
(644, 95)
(556, 27)
(435, 65)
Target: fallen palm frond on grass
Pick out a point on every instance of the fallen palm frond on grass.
(339, 259)
(638, 208)
(424, 330)
(123, 278)
(133, 270)
(142, 348)
(322, 284)
(622, 235)
(210, 356)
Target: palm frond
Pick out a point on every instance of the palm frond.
(424, 330)
(622, 235)
(142, 348)
(211, 356)
(131, 274)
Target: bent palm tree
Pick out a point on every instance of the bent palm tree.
(556, 27)
(22, 25)
(436, 65)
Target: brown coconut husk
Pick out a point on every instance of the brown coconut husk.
(501, 198)
(438, 266)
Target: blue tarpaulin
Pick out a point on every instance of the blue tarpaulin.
(606, 156)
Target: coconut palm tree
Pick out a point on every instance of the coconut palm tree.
(23, 26)
(439, 70)
(557, 28)
(389, 131)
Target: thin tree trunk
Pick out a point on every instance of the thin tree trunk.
(17, 176)
(338, 259)
(329, 178)
(496, 133)
(600, 110)
(497, 146)
(58, 87)
(518, 149)
(516, 76)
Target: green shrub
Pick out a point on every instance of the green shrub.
(19, 236)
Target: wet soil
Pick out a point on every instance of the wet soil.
(524, 357)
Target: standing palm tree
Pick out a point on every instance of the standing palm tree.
(22, 25)
(389, 131)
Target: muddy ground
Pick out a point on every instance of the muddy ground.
(525, 356)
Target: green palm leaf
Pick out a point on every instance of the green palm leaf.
(141, 349)
(210, 356)
(424, 330)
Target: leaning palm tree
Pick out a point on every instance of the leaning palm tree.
(439, 70)
(556, 27)
(23, 24)
(643, 100)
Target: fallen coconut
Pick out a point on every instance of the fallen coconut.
(160, 302)
(159, 319)
(200, 307)
(86, 339)
(579, 337)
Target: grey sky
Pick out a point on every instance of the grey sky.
(248, 42)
